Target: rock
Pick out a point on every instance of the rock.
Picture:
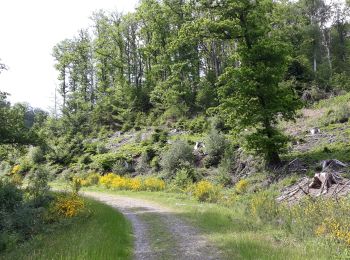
(198, 145)
(315, 130)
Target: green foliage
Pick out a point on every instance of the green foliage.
(35, 155)
(337, 114)
(159, 136)
(37, 185)
(14, 128)
(198, 124)
(177, 156)
(155, 163)
(215, 146)
(186, 176)
(106, 162)
(253, 95)
(20, 218)
(81, 236)
(341, 81)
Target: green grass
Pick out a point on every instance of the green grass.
(105, 234)
(233, 231)
(328, 103)
(340, 151)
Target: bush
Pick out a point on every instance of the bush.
(215, 146)
(217, 123)
(144, 163)
(35, 155)
(67, 205)
(5, 168)
(106, 162)
(183, 178)
(341, 81)
(153, 184)
(122, 166)
(198, 124)
(205, 191)
(264, 206)
(159, 136)
(241, 186)
(20, 217)
(135, 184)
(337, 114)
(223, 175)
(179, 154)
(38, 187)
(90, 180)
(155, 163)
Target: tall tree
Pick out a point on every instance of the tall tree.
(253, 96)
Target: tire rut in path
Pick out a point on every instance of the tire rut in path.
(183, 241)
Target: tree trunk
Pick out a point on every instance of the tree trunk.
(273, 160)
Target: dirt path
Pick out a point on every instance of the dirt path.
(159, 233)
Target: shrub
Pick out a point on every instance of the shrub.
(5, 168)
(337, 114)
(67, 205)
(16, 177)
(135, 184)
(215, 146)
(205, 191)
(153, 184)
(198, 125)
(107, 179)
(35, 155)
(10, 197)
(155, 163)
(20, 218)
(264, 207)
(341, 81)
(76, 184)
(183, 178)
(106, 162)
(180, 153)
(122, 166)
(16, 169)
(159, 136)
(224, 172)
(91, 179)
(38, 187)
(241, 186)
(144, 164)
(217, 123)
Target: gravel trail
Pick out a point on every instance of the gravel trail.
(159, 233)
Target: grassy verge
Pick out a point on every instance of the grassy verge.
(105, 234)
(233, 231)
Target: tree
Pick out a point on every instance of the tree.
(14, 127)
(253, 95)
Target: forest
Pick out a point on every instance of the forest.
(237, 106)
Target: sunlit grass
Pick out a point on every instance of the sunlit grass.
(105, 234)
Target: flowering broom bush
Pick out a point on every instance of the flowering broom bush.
(115, 181)
(206, 191)
(67, 205)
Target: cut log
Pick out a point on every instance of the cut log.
(324, 180)
(332, 164)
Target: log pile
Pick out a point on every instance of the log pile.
(327, 183)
